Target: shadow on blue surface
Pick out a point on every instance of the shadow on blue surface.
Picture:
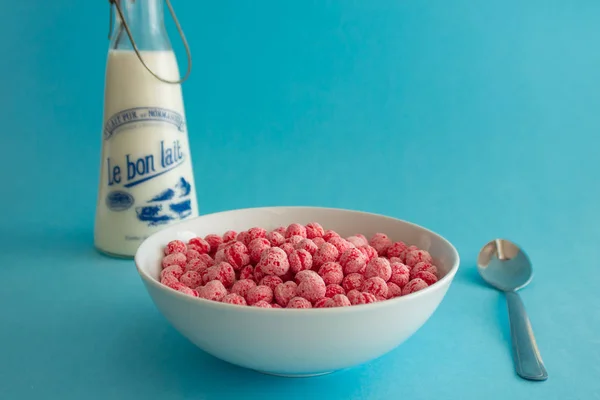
(148, 350)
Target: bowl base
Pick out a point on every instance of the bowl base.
(295, 375)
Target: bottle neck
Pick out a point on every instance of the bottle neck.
(145, 19)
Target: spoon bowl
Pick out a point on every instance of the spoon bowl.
(504, 266)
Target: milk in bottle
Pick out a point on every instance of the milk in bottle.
(146, 177)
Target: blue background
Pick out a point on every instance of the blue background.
(474, 119)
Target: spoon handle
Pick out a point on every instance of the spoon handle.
(528, 361)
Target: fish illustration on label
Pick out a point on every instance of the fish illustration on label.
(169, 205)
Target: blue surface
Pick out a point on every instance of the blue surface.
(474, 119)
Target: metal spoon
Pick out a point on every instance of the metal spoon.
(506, 267)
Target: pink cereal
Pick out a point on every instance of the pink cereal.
(333, 289)
(262, 304)
(271, 281)
(318, 241)
(414, 286)
(191, 254)
(331, 272)
(213, 290)
(300, 260)
(233, 298)
(410, 248)
(400, 274)
(229, 236)
(258, 274)
(357, 298)
(339, 300)
(274, 261)
(379, 267)
(188, 291)
(416, 256)
(312, 289)
(175, 246)
(299, 302)
(284, 292)
(358, 241)
(281, 230)
(306, 275)
(393, 290)
(363, 237)
(207, 259)
(220, 256)
(380, 242)
(174, 259)
(308, 245)
(275, 238)
(294, 240)
(242, 287)
(247, 272)
(375, 286)
(423, 267)
(314, 230)
(169, 280)
(354, 296)
(199, 244)
(254, 233)
(330, 234)
(223, 272)
(196, 264)
(321, 303)
(369, 252)
(396, 249)
(275, 305)
(191, 279)
(256, 248)
(326, 253)
(369, 298)
(353, 261)
(214, 241)
(242, 237)
(288, 276)
(353, 281)
(259, 293)
(223, 246)
(288, 248)
(341, 244)
(237, 255)
(295, 230)
(428, 277)
(174, 270)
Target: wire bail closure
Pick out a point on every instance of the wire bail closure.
(137, 52)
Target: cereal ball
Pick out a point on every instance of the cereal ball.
(259, 293)
(233, 298)
(379, 267)
(274, 262)
(353, 261)
(299, 302)
(313, 230)
(331, 272)
(295, 230)
(414, 286)
(284, 292)
(300, 260)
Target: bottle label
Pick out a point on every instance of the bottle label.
(141, 114)
(161, 198)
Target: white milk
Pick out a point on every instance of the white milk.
(146, 178)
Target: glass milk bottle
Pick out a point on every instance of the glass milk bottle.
(146, 178)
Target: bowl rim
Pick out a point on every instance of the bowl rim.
(446, 279)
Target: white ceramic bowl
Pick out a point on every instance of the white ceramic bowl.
(297, 342)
